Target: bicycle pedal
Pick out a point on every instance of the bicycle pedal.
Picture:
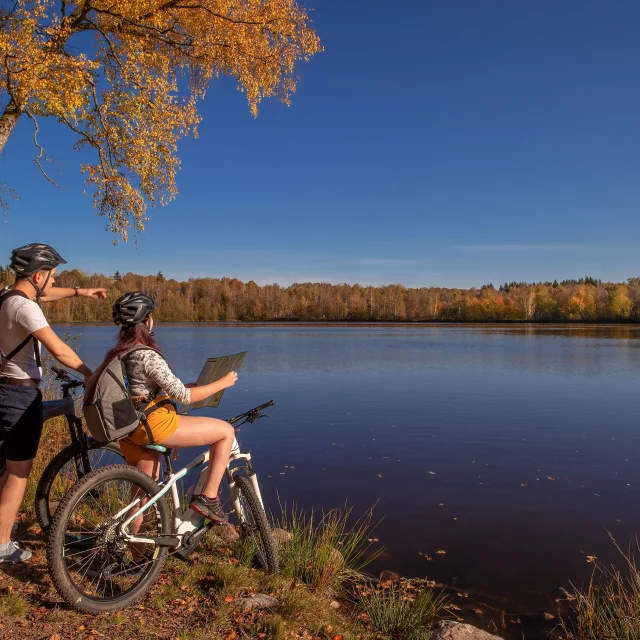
(186, 551)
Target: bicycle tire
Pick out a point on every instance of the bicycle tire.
(44, 512)
(62, 581)
(268, 556)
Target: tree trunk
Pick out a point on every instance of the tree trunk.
(8, 121)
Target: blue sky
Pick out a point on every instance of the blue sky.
(431, 143)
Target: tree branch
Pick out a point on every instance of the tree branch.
(178, 6)
(42, 153)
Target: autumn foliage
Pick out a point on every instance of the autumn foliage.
(229, 299)
(126, 76)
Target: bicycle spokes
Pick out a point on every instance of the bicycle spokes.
(98, 558)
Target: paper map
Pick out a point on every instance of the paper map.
(214, 369)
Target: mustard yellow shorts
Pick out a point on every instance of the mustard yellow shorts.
(162, 422)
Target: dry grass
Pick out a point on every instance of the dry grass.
(327, 550)
(401, 611)
(609, 607)
(13, 605)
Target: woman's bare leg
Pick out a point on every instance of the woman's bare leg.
(196, 431)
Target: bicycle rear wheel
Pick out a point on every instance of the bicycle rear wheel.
(64, 470)
(254, 526)
(92, 565)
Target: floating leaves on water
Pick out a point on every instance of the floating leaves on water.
(478, 612)
(373, 539)
(441, 504)
(549, 616)
(550, 478)
(523, 485)
(592, 558)
(379, 475)
(432, 473)
(463, 595)
(428, 558)
(455, 518)
(441, 551)
(454, 607)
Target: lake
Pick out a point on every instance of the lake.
(515, 449)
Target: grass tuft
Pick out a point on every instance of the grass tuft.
(325, 551)
(609, 608)
(13, 605)
(401, 613)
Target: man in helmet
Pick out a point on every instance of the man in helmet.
(22, 328)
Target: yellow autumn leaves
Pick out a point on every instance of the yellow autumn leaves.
(126, 76)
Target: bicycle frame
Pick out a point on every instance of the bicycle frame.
(185, 523)
(65, 406)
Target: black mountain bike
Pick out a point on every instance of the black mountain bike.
(76, 460)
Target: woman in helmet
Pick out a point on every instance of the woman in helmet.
(150, 377)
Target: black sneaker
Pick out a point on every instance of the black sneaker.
(209, 508)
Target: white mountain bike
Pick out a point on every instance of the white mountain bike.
(111, 534)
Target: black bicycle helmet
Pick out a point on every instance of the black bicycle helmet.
(28, 260)
(132, 308)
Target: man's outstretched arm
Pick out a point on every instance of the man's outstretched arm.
(58, 293)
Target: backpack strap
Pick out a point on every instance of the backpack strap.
(36, 351)
(143, 408)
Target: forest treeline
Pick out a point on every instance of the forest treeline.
(229, 299)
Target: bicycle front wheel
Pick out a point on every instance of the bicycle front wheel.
(93, 566)
(254, 526)
(64, 470)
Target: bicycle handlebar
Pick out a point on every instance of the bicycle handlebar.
(67, 380)
(253, 414)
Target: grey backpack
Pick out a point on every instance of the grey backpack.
(109, 411)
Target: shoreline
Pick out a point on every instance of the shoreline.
(368, 323)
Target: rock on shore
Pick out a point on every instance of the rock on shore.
(450, 630)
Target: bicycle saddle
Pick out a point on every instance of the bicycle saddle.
(156, 447)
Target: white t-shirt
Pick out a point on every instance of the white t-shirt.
(20, 317)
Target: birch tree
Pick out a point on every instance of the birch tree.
(126, 77)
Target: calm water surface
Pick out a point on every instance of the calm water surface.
(513, 448)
